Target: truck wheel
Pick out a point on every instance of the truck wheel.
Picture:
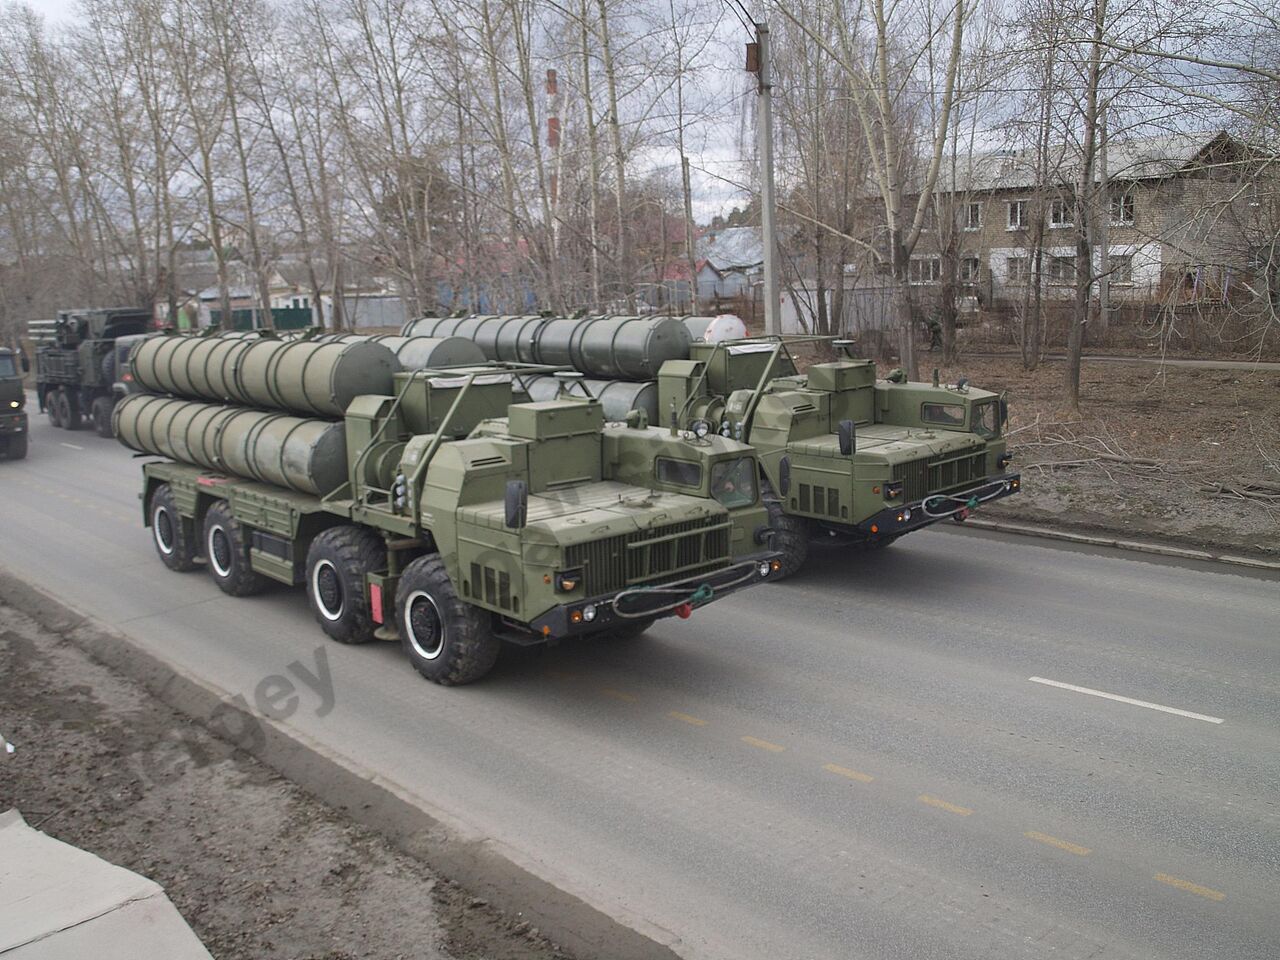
(790, 534)
(70, 411)
(102, 417)
(226, 548)
(62, 410)
(172, 533)
(337, 562)
(51, 407)
(447, 641)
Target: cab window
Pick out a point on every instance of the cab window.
(7, 368)
(986, 419)
(682, 473)
(943, 414)
(733, 482)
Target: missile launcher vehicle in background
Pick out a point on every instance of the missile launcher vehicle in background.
(76, 365)
(425, 506)
(13, 402)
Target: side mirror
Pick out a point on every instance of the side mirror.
(848, 439)
(26, 364)
(516, 504)
(784, 476)
(1004, 413)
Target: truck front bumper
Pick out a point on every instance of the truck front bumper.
(13, 423)
(895, 521)
(657, 600)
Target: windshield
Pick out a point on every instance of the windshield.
(7, 366)
(984, 419)
(733, 482)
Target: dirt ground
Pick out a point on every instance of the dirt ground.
(1188, 455)
(260, 869)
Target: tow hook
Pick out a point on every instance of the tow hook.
(961, 515)
(684, 611)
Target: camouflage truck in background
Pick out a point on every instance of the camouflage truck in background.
(76, 365)
(850, 459)
(456, 520)
(13, 402)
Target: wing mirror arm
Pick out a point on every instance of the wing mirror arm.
(516, 504)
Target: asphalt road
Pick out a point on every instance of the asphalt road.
(853, 763)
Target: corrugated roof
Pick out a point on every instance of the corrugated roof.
(732, 247)
(1139, 159)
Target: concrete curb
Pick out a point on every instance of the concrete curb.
(481, 865)
(1135, 546)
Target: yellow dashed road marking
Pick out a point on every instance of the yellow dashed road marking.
(763, 744)
(620, 695)
(943, 805)
(684, 717)
(1055, 842)
(1190, 887)
(846, 772)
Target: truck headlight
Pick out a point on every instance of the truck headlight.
(15, 404)
(568, 581)
(764, 568)
(589, 612)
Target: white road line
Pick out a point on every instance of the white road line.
(1130, 700)
(71, 445)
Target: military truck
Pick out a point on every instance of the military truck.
(435, 512)
(847, 458)
(13, 402)
(76, 371)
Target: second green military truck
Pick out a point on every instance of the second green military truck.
(13, 402)
(848, 458)
(427, 507)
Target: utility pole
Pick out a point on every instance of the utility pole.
(759, 64)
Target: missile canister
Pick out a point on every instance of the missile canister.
(419, 353)
(300, 376)
(608, 348)
(617, 397)
(309, 456)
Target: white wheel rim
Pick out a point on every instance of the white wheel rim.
(426, 652)
(325, 610)
(218, 568)
(159, 517)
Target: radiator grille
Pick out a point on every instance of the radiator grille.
(920, 478)
(688, 547)
(824, 501)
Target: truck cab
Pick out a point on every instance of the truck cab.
(850, 458)
(13, 401)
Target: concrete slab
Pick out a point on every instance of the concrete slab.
(58, 902)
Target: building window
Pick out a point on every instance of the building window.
(1016, 269)
(973, 216)
(1017, 215)
(925, 269)
(970, 270)
(1062, 269)
(1122, 209)
(1121, 268)
(1060, 214)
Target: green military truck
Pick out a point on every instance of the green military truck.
(76, 366)
(13, 402)
(435, 511)
(848, 458)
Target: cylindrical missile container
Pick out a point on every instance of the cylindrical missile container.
(419, 353)
(309, 456)
(617, 397)
(301, 376)
(607, 348)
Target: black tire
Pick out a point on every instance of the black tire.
(101, 411)
(71, 418)
(62, 410)
(18, 446)
(226, 551)
(447, 641)
(337, 562)
(790, 534)
(51, 407)
(174, 535)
